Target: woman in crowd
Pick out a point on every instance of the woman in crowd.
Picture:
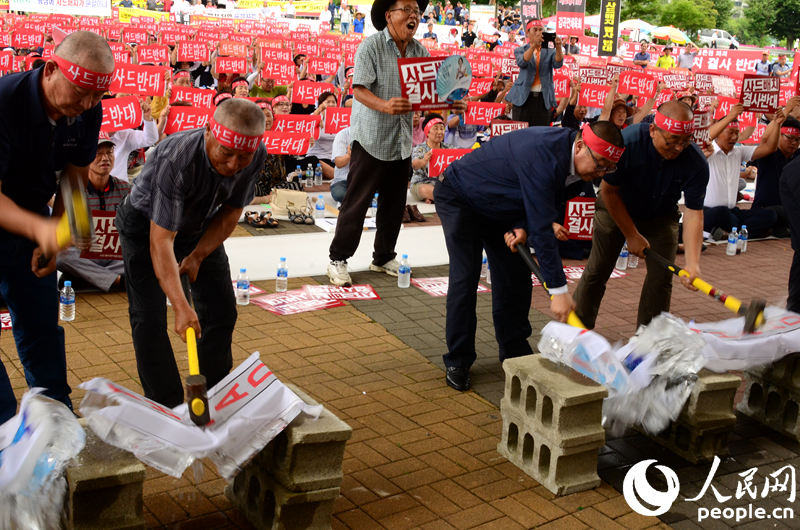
(421, 184)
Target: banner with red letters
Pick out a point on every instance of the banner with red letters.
(333, 292)
(152, 53)
(579, 217)
(282, 71)
(322, 66)
(198, 97)
(280, 143)
(418, 82)
(139, 79)
(231, 65)
(191, 51)
(702, 121)
(479, 113)
(306, 124)
(760, 94)
(186, 118)
(121, 113)
(308, 91)
(569, 17)
(336, 119)
(293, 302)
(105, 242)
(438, 286)
(637, 84)
(500, 127)
(441, 158)
(592, 95)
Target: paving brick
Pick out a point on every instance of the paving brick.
(434, 500)
(521, 514)
(389, 505)
(474, 516)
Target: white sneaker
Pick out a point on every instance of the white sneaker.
(338, 275)
(390, 267)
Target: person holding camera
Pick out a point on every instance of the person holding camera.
(533, 94)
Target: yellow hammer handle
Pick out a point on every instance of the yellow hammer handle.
(731, 302)
(574, 321)
(191, 346)
(63, 235)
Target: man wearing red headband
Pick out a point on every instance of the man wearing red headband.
(533, 94)
(500, 195)
(183, 205)
(639, 203)
(50, 121)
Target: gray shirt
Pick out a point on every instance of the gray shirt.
(340, 144)
(686, 60)
(384, 136)
(180, 191)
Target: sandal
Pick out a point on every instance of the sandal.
(307, 217)
(268, 220)
(253, 219)
(295, 217)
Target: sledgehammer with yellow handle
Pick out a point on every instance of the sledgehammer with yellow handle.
(75, 225)
(195, 387)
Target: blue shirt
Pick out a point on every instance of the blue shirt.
(33, 148)
(358, 25)
(517, 179)
(650, 185)
(770, 168)
(641, 56)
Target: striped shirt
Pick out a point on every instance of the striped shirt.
(110, 198)
(180, 191)
(384, 136)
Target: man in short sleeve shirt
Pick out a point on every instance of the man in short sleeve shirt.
(49, 121)
(639, 203)
(186, 202)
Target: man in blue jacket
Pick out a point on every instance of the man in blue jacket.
(493, 199)
(533, 94)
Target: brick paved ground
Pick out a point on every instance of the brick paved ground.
(423, 455)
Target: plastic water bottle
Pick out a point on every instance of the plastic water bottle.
(373, 209)
(282, 281)
(318, 175)
(633, 261)
(66, 308)
(622, 260)
(733, 241)
(242, 288)
(319, 208)
(484, 268)
(744, 235)
(309, 175)
(404, 273)
(298, 174)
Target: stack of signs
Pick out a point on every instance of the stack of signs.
(438, 286)
(312, 298)
(574, 273)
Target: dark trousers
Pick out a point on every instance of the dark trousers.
(368, 175)
(214, 302)
(33, 305)
(533, 111)
(466, 234)
(607, 241)
(758, 221)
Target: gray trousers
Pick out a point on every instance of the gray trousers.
(101, 273)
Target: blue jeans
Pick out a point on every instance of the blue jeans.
(33, 305)
(758, 221)
(338, 189)
(345, 28)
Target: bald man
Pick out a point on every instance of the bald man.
(639, 203)
(183, 205)
(49, 121)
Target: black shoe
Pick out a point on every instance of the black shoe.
(458, 378)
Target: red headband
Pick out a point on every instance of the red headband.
(263, 104)
(240, 82)
(430, 124)
(232, 139)
(733, 125)
(600, 146)
(82, 77)
(279, 99)
(672, 125)
(533, 21)
(179, 74)
(790, 130)
(222, 96)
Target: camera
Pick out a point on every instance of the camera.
(547, 38)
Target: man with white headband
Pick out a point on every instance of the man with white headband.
(639, 203)
(500, 195)
(182, 207)
(49, 122)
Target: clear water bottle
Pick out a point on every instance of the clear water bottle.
(373, 208)
(744, 235)
(633, 260)
(733, 241)
(309, 175)
(319, 208)
(66, 307)
(242, 288)
(298, 174)
(622, 260)
(404, 273)
(282, 280)
(318, 175)
(484, 268)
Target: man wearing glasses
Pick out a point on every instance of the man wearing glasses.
(504, 194)
(639, 203)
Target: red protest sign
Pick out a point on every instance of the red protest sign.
(760, 94)
(637, 84)
(121, 113)
(308, 91)
(139, 79)
(276, 54)
(123, 56)
(306, 46)
(480, 86)
(724, 108)
(170, 36)
(197, 97)
(441, 158)
(292, 302)
(479, 113)
(418, 82)
(758, 133)
(438, 286)
(592, 95)
(27, 39)
(231, 65)
(333, 292)
(297, 124)
(322, 66)
(105, 241)
(191, 51)
(561, 85)
(570, 23)
(134, 36)
(233, 49)
(280, 143)
(481, 68)
(336, 119)
(185, 118)
(5, 320)
(500, 127)
(593, 75)
(283, 72)
(579, 217)
(6, 61)
(152, 53)
(728, 61)
(702, 121)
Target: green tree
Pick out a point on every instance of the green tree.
(724, 8)
(647, 10)
(757, 20)
(689, 15)
(786, 23)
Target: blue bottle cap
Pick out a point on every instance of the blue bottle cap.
(67, 283)
(405, 256)
(242, 270)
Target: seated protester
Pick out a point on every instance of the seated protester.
(618, 112)
(281, 105)
(203, 76)
(341, 160)
(571, 248)
(574, 115)
(320, 151)
(497, 93)
(266, 88)
(221, 96)
(273, 174)
(129, 140)
(422, 186)
(300, 61)
(417, 134)
(720, 212)
(460, 135)
(103, 192)
(240, 87)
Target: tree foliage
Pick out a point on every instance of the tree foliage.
(724, 8)
(689, 15)
(786, 20)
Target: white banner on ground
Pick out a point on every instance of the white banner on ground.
(249, 407)
(97, 8)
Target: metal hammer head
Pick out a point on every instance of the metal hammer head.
(754, 316)
(197, 400)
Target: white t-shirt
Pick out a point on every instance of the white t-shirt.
(340, 144)
(723, 174)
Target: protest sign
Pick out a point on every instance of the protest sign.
(609, 28)
(418, 82)
(480, 86)
(592, 95)
(760, 94)
(152, 53)
(5, 320)
(579, 217)
(500, 127)
(121, 113)
(185, 118)
(561, 85)
(105, 241)
(479, 113)
(100, 8)
(281, 71)
(637, 84)
(758, 133)
(336, 119)
(136, 36)
(322, 66)
(232, 65)
(293, 302)
(27, 39)
(530, 9)
(139, 79)
(229, 48)
(333, 292)
(280, 143)
(676, 81)
(308, 91)
(569, 17)
(306, 124)
(197, 97)
(441, 158)
(593, 75)
(192, 51)
(702, 121)
(275, 54)
(438, 286)
(724, 107)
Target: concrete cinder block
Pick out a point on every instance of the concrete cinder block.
(693, 443)
(269, 505)
(105, 487)
(711, 401)
(771, 405)
(784, 373)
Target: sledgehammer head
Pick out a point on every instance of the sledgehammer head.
(754, 316)
(196, 400)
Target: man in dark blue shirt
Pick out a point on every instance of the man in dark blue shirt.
(639, 203)
(642, 58)
(500, 195)
(49, 121)
(790, 199)
(770, 168)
